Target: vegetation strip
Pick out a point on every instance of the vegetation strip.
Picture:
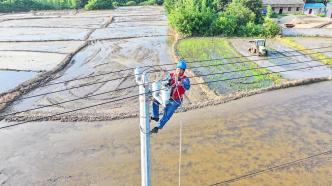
(319, 56)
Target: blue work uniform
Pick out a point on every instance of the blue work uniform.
(174, 102)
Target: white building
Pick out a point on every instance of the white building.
(329, 10)
(314, 8)
(284, 6)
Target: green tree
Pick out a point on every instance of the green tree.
(171, 5)
(234, 19)
(98, 4)
(269, 11)
(270, 28)
(81, 3)
(193, 17)
(227, 25)
(255, 6)
(131, 3)
(239, 12)
(220, 5)
(251, 29)
(217, 5)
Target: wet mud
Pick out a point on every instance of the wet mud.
(229, 64)
(305, 21)
(129, 37)
(33, 61)
(66, 22)
(61, 47)
(42, 34)
(277, 138)
(108, 50)
(35, 51)
(317, 43)
(16, 77)
(294, 59)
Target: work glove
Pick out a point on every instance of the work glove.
(154, 130)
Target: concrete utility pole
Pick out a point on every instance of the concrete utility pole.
(141, 80)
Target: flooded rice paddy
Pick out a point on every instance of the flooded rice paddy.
(132, 37)
(227, 68)
(277, 138)
(16, 77)
(104, 41)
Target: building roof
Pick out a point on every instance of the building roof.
(314, 5)
(283, 2)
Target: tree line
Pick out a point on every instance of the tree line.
(189, 17)
(27, 5)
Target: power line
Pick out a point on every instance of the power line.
(251, 55)
(259, 74)
(256, 68)
(249, 61)
(105, 81)
(62, 90)
(239, 62)
(91, 106)
(67, 101)
(196, 61)
(270, 169)
(102, 93)
(86, 77)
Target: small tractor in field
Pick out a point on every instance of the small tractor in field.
(258, 47)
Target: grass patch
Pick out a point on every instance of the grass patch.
(219, 48)
(317, 56)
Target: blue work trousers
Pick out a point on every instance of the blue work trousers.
(168, 111)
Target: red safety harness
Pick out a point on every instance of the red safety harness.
(177, 90)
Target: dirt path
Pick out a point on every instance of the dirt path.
(276, 49)
(220, 143)
(125, 42)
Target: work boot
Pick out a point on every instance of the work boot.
(154, 119)
(154, 130)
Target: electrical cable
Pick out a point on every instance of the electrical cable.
(245, 176)
(91, 106)
(105, 81)
(149, 66)
(93, 95)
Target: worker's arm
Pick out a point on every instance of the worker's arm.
(186, 83)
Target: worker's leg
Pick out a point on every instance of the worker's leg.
(155, 109)
(168, 112)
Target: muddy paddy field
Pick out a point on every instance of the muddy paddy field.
(97, 43)
(80, 54)
(278, 138)
(228, 59)
(89, 45)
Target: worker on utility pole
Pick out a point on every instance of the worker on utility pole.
(179, 84)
